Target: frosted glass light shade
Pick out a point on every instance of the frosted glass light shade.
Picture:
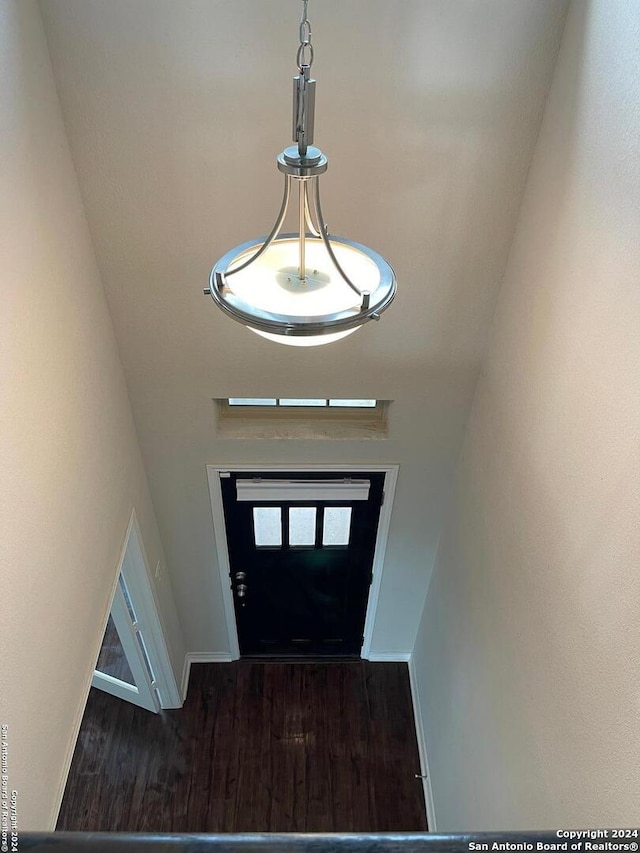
(271, 299)
(307, 340)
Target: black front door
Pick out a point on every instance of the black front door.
(301, 569)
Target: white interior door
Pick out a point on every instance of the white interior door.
(123, 667)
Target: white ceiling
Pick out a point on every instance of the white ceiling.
(428, 111)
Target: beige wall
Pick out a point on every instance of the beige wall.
(528, 655)
(70, 468)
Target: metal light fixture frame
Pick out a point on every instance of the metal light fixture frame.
(302, 165)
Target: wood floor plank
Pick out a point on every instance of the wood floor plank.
(258, 746)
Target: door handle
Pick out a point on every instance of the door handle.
(241, 590)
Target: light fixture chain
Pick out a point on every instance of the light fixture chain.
(305, 47)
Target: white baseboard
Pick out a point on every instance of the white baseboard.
(200, 657)
(391, 657)
(422, 749)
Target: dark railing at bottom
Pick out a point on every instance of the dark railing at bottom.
(104, 842)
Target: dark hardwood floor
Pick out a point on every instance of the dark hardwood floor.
(271, 747)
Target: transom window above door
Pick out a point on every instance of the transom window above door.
(302, 403)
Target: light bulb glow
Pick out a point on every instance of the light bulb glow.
(272, 282)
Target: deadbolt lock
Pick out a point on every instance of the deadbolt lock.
(240, 576)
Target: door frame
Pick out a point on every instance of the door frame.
(134, 568)
(216, 472)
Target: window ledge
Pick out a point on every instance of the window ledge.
(251, 422)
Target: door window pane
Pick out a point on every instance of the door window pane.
(302, 525)
(267, 526)
(112, 659)
(337, 525)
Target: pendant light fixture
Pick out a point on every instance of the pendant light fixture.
(303, 288)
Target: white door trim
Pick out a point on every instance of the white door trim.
(137, 574)
(215, 472)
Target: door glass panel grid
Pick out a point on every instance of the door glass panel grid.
(287, 526)
(140, 690)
